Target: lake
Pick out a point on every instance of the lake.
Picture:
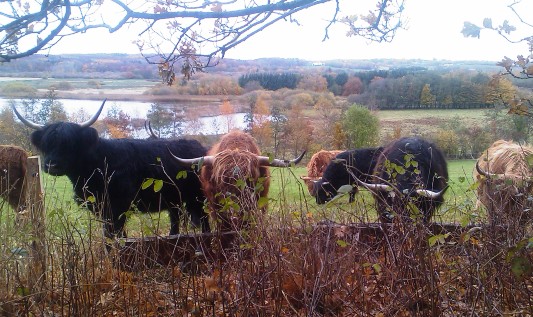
(206, 125)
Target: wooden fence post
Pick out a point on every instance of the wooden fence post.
(35, 205)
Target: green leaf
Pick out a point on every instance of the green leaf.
(377, 268)
(23, 291)
(342, 243)
(158, 184)
(158, 159)
(520, 266)
(181, 174)
(240, 183)
(345, 189)
(91, 199)
(438, 238)
(147, 183)
(262, 202)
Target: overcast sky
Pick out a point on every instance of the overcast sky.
(434, 32)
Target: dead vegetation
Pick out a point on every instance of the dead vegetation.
(292, 263)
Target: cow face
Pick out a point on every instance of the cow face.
(323, 191)
(62, 145)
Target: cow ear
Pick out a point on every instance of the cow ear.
(89, 136)
(36, 137)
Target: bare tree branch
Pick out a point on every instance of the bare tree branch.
(176, 30)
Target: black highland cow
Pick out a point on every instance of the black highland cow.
(409, 172)
(343, 170)
(112, 171)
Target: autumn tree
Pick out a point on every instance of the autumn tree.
(186, 35)
(500, 90)
(262, 128)
(227, 111)
(325, 107)
(353, 86)
(298, 130)
(167, 122)
(427, 99)
(51, 109)
(13, 132)
(313, 82)
(304, 99)
(118, 123)
(278, 121)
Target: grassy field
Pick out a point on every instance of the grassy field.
(287, 191)
(426, 121)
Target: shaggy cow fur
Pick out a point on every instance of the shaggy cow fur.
(234, 177)
(409, 172)
(347, 168)
(13, 160)
(506, 186)
(316, 167)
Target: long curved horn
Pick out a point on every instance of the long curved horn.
(89, 122)
(484, 173)
(148, 128)
(431, 194)
(373, 187)
(265, 161)
(192, 161)
(26, 122)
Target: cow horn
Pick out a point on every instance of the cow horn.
(374, 187)
(26, 122)
(484, 173)
(148, 128)
(431, 194)
(265, 161)
(92, 120)
(192, 161)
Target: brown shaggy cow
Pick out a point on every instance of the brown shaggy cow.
(236, 179)
(13, 160)
(505, 177)
(316, 166)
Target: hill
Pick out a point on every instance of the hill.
(127, 66)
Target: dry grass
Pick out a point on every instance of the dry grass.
(291, 263)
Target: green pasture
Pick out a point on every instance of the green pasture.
(288, 194)
(81, 83)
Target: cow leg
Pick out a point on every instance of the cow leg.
(174, 215)
(114, 227)
(351, 198)
(198, 217)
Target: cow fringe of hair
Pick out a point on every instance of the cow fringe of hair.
(231, 166)
(509, 194)
(319, 161)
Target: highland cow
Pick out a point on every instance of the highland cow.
(410, 179)
(236, 179)
(505, 175)
(316, 167)
(107, 175)
(346, 168)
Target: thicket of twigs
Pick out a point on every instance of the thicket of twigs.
(291, 263)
